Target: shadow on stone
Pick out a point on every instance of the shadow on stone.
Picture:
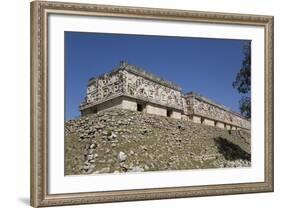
(231, 151)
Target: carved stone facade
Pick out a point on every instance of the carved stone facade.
(202, 107)
(130, 87)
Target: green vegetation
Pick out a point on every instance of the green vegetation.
(243, 82)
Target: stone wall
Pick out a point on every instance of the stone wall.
(156, 110)
(129, 81)
(208, 122)
(219, 124)
(196, 119)
(130, 87)
(201, 106)
(176, 114)
(105, 86)
(109, 104)
(144, 89)
(129, 104)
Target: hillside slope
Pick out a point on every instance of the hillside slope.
(124, 141)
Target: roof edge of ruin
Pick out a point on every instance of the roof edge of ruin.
(141, 72)
(124, 65)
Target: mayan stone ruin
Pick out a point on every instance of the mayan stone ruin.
(133, 121)
(132, 88)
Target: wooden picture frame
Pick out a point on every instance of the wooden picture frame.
(40, 195)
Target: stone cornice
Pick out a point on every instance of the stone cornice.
(139, 72)
(84, 106)
(143, 73)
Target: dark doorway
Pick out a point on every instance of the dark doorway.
(95, 110)
(140, 107)
(169, 113)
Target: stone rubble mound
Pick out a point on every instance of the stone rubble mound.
(118, 141)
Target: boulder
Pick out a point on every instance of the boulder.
(122, 156)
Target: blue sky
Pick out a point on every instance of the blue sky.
(207, 66)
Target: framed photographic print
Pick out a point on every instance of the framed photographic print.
(144, 103)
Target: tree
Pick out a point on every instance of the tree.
(243, 82)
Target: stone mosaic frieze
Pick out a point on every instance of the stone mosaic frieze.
(134, 82)
(142, 88)
(203, 108)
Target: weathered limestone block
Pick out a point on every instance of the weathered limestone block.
(233, 128)
(157, 110)
(196, 119)
(220, 124)
(208, 122)
(129, 104)
(184, 117)
(228, 127)
(176, 115)
(110, 104)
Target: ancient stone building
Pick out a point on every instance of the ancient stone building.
(130, 87)
(200, 109)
